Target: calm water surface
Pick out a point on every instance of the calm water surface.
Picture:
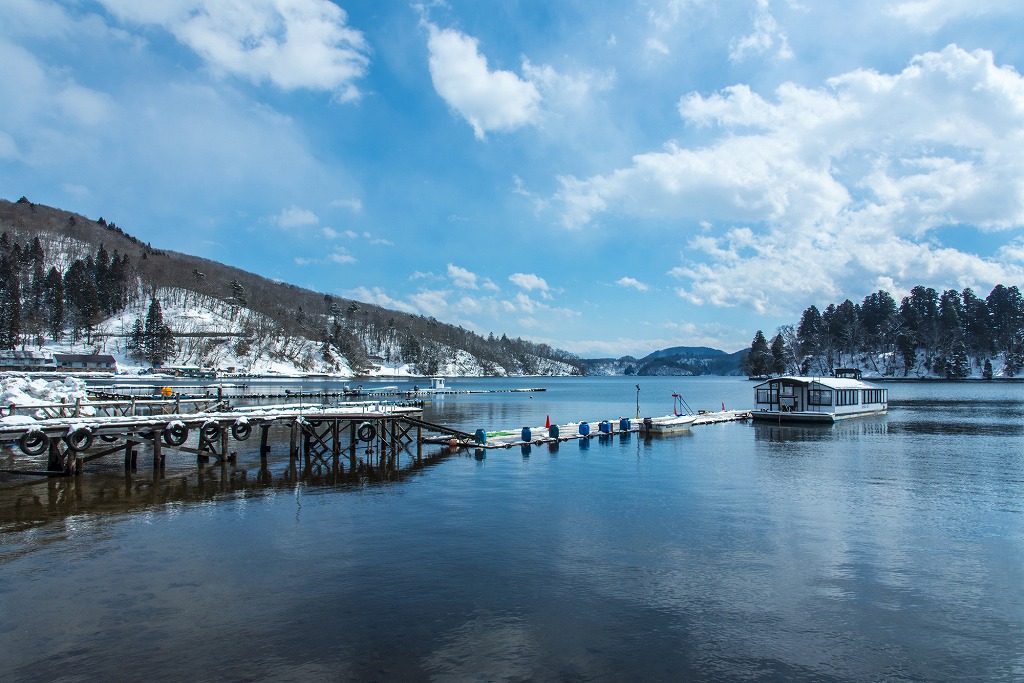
(886, 549)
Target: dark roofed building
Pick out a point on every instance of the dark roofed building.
(82, 362)
(26, 361)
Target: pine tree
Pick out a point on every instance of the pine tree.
(53, 303)
(158, 340)
(758, 359)
(778, 355)
(10, 303)
(137, 341)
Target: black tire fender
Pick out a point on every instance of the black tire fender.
(80, 439)
(366, 432)
(175, 434)
(211, 431)
(34, 443)
(241, 430)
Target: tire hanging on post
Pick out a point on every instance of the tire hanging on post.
(34, 443)
(211, 431)
(80, 439)
(175, 434)
(366, 432)
(241, 430)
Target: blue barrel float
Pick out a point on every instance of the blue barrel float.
(553, 432)
(480, 436)
(584, 429)
(624, 424)
(605, 427)
(527, 435)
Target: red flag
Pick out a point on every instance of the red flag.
(547, 422)
(723, 406)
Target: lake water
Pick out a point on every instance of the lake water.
(881, 549)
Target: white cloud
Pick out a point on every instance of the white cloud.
(488, 100)
(337, 257)
(839, 186)
(294, 44)
(931, 15)
(295, 217)
(529, 282)
(633, 283)
(657, 46)
(766, 38)
(461, 277)
(353, 205)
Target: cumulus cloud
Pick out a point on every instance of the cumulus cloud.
(855, 175)
(632, 283)
(461, 277)
(529, 282)
(489, 100)
(294, 44)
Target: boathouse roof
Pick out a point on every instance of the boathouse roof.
(829, 382)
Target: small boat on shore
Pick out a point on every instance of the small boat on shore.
(821, 400)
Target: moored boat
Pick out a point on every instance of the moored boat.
(679, 421)
(818, 399)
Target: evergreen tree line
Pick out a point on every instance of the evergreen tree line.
(36, 302)
(949, 334)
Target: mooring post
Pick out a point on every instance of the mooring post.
(293, 445)
(158, 454)
(352, 445)
(335, 445)
(224, 444)
(264, 443)
(419, 443)
(55, 461)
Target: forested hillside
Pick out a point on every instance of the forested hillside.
(673, 362)
(65, 277)
(955, 334)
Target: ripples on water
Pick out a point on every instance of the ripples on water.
(881, 549)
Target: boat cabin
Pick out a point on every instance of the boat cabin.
(817, 399)
(437, 383)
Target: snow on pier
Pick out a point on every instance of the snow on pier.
(556, 433)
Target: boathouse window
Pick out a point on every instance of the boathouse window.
(819, 397)
(846, 397)
(875, 395)
(767, 395)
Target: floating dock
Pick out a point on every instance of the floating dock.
(557, 433)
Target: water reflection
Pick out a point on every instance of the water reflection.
(28, 503)
(844, 429)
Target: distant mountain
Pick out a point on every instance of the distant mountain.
(675, 361)
(685, 352)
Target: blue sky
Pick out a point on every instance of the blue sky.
(607, 177)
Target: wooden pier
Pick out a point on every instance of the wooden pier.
(60, 439)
